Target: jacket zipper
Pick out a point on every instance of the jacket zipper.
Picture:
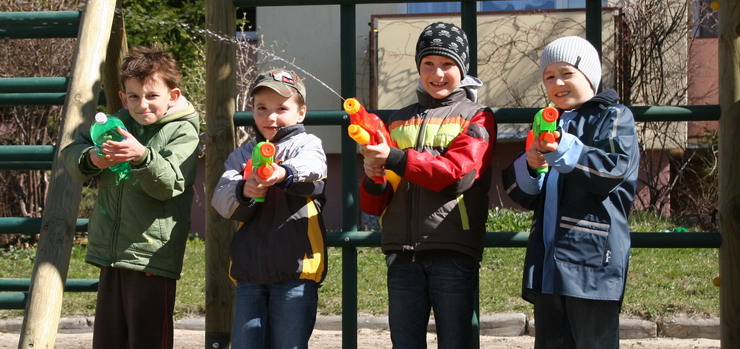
(415, 189)
(117, 225)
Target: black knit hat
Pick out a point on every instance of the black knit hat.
(444, 39)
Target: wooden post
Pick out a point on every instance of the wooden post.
(117, 49)
(220, 108)
(60, 214)
(729, 186)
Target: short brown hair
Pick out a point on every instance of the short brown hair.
(143, 62)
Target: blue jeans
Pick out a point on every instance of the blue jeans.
(280, 315)
(569, 322)
(445, 281)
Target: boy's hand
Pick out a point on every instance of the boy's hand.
(373, 170)
(376, 155)
(128, 149)
(535, 159)
(100, 161)
(253, 189)
(545, 147)
(278, 175)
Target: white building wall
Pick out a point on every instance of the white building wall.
(309, 36)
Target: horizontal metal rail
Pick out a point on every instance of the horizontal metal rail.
(39, 25)
(519, 239)
(27, 225)
(9, 300)
(13, 300)
(21, 225)
(36, 84)
(71, 285)
(14, 292)
(26, 153)
(35, 98)
(39, 157)
(520, 115)
(39, 98)
(26, 157)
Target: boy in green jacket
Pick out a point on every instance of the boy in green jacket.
(140, 224)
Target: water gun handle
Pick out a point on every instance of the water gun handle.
(263, 156)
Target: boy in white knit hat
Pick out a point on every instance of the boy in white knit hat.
(578, 252)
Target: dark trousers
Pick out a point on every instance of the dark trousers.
(568, 322)
(444, 281)
(134, 310)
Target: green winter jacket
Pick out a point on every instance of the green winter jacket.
(142, 223)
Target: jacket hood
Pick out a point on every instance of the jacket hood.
(182, 110)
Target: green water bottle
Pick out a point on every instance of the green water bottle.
(105, 128)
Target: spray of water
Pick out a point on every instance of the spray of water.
(246, 44)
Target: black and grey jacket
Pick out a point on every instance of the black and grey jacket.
(282, 238)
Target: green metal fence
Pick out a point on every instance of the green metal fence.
(52, 91)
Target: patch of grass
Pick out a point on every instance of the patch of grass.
(661, 282)
(190, 301)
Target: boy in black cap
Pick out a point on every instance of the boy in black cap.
(433, 239)
(278, 254)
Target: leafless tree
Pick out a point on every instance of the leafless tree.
(656, 37)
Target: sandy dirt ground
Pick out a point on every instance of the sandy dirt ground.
(371, 339)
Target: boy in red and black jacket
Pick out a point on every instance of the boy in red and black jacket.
(434, 221)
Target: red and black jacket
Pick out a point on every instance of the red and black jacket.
(443, 155)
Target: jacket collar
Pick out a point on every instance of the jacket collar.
(606, 97)
(427, 101)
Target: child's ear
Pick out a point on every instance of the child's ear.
(175, 93)
(302, 113)
(122, 96)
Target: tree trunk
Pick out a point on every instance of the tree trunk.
(220, 107)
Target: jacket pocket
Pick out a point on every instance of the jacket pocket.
(582, 240)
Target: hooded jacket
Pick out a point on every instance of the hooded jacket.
(444, 151)
(283, 237)
(142, 222)
(597, 165)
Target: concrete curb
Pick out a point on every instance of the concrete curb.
(499, 325)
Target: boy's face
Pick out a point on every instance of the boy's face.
(566, 86)
(148, 101)
(439, 75)
(273, 111)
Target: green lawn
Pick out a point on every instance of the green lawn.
(661, 282)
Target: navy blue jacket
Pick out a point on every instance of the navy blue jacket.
(597, 164)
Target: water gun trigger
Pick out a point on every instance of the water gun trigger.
(548, 137)
(247, 169)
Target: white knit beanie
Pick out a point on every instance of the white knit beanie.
(577, 52)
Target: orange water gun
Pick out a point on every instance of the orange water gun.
(363, 129)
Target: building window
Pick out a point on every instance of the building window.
(705, 19)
